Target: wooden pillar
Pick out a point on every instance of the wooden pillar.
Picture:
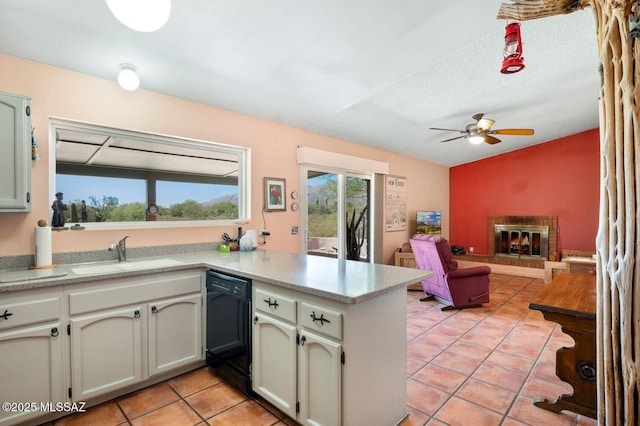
(618, 239)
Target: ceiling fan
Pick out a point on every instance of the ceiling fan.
(480, 131)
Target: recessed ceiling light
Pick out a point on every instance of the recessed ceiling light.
(128, 78)
(141, 15)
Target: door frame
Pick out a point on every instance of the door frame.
(341, 184)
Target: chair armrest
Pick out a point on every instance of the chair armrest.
(468, 272)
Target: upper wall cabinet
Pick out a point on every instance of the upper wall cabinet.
(15, 153)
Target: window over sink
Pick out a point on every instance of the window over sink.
(108, 175)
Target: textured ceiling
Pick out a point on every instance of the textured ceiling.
(375, 72)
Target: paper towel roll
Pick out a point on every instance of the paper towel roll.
(251, 234)
(43, 245)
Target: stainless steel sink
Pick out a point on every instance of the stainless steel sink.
(125, 266)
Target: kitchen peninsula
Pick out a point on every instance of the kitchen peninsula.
(354, 311)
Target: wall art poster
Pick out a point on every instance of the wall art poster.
(395, 203)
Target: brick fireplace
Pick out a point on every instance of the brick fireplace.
(518, 223)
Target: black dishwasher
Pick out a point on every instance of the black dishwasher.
(229, 327)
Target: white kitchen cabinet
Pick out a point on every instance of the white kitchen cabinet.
(15, 153)
(296, 369)
(126, 330)
(274, 372)
(324, 362)
(31, 351)
(320, 377)
(106, 351)
(175, 332)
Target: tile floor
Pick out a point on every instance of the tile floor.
(481, 366)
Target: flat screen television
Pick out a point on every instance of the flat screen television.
(429, 222)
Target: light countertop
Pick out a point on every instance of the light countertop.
(341, 280)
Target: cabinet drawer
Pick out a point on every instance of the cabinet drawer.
(276, 305)
(321, 320)
(125, 292)
(29, 308)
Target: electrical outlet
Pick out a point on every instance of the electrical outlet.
(294, 230)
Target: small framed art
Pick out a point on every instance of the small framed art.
(275, 194)
(429, 222)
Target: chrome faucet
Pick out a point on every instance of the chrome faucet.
(121, 248)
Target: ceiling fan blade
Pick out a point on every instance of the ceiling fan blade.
(520, 132)
(491, 140)
(452, 139)
(485, 123)
(448, 130)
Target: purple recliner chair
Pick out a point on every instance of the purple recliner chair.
(453, 287)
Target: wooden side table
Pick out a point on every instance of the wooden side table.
(570, 300)
(407, 260)
(580, 265)
(551, 269)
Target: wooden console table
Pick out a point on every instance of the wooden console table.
(580, 265)
(406, 260)
(570, 300)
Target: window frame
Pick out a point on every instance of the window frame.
(244, 171)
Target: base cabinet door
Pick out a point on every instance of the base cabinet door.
(32, 370)
(175, 332)
(298, 355)
(274, 362)
(320, 378)
(106, 352)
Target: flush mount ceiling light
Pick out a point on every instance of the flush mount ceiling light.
(141, 15)
(476, 140)
(128, 78)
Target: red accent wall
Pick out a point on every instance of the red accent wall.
(557, 178)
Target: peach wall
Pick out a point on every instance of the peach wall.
(66, 94)
(558, 178)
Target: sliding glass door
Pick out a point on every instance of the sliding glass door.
(337, 215)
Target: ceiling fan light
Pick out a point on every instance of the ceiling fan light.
(128, 78)
(141, 15)
(476, 140)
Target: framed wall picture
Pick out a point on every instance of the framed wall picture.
(275, 192)
(429, 222)
(395, 203)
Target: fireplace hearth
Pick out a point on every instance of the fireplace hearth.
(522, 241)
(523, 238)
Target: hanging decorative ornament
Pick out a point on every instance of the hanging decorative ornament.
(35, 154)
(513, 61)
